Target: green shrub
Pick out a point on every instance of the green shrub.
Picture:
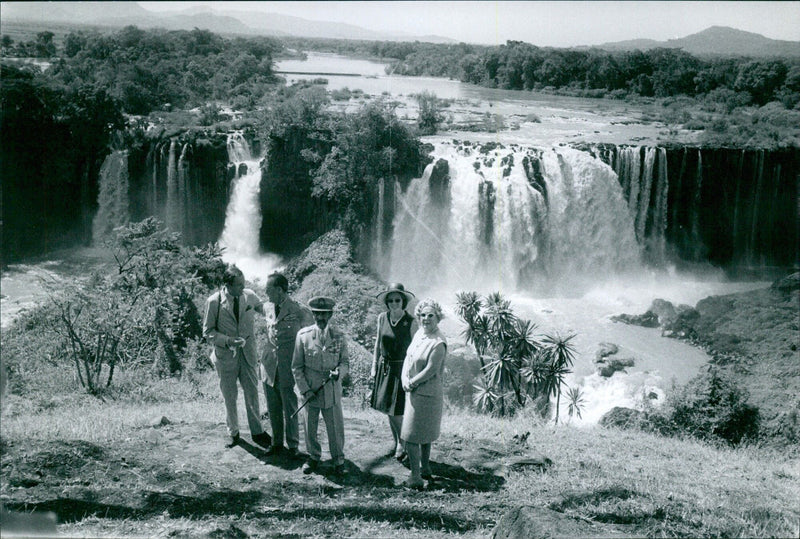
(712, 406)
(430, 115)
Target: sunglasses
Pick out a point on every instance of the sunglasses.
(395, 300)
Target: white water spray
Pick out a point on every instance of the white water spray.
(240, 236)
(501, 228)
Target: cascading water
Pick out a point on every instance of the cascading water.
(555, 230)
(512, 217)
(239, 237)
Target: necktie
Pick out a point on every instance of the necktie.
(277, 310)
(236, 308)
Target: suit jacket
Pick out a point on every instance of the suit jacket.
(219, 324)
(313, 359)
(281, 334)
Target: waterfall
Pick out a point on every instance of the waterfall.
(173, 217)
(240, 235)
(511, 223)
(112, 200)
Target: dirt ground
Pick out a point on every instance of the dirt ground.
(184, 471)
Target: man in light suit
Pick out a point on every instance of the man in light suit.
(319, 363)
(283, 323)
(228, 324)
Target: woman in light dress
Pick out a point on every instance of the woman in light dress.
(422, 381)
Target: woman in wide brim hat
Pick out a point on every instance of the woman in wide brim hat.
(396, 328)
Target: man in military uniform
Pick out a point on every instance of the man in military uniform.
(319, 363)
(283, 323)
(228, 325)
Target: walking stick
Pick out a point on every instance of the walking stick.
(313, 394)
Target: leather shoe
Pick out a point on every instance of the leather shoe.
(274, 450)
(338, 469)
(310, 466)
(413, 485)
(427, 475)
(263, 439)
(293, 453)
(233, 441)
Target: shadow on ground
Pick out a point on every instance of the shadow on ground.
(230, 502)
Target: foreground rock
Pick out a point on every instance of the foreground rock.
(525, 522)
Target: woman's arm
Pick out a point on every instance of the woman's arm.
(435, 360)
(377, 351)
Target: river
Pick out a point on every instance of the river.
(583, 308)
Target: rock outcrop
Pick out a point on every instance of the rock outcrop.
(542, 523)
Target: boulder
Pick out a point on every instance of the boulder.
(664, 310)
(539, 463)
(683, 326)
(615, 365)
(622, 418)
(542, 523)
(787, 285)
(647, 320)
(157, 422)
(606, 349)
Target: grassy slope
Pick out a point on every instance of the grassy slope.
(106, 471)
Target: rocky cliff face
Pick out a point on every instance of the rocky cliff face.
(735, 209)
(183, 180)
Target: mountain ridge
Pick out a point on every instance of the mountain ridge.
(220, 21)
(715, 41)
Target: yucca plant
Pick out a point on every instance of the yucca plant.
(560, 354)
(514, 364)
(576, 402)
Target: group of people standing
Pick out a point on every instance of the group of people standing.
(306, 356)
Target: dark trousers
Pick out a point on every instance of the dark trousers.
(281, 404)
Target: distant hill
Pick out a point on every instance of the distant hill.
(718, 41)
(221, 21)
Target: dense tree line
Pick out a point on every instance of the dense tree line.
(517, 65)
(151, 69)
(653, 73)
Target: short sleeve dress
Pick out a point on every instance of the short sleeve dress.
(387, 393)
(422, 420)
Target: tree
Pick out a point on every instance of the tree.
(45, 48)
(761, 79)
(429, 116)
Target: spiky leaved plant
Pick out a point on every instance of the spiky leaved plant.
(576, 402)
(513, 366)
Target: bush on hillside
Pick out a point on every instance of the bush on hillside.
(711, 406)
(144, 314)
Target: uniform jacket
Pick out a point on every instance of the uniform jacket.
(312, 361)
(219, 323)
(281, 334)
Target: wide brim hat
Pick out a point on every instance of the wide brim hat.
(321, 304)
(396, 288)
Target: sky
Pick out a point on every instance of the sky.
(543, 23)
